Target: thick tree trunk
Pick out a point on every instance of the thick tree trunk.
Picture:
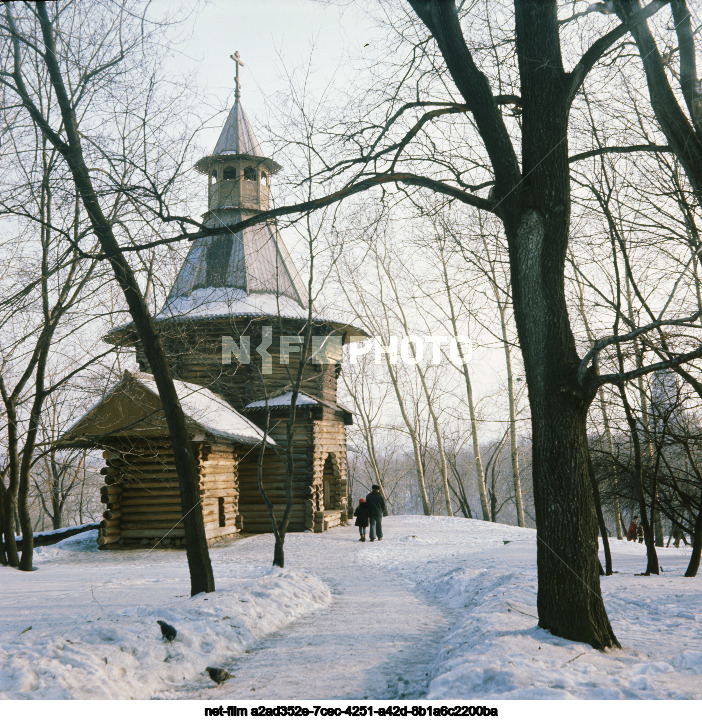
(569, 601)
(27, 559)
(3, 555)
(8, 512)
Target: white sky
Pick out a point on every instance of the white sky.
(268, 33)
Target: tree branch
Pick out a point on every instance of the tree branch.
(610, 340)
(593, 54)
(618, 378)
(316, 203)
(643, 147)
(688, 63)
(442, 21)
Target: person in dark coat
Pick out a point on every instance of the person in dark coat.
(640, 533)
(376, 510)
(631, 533)
(361, 514)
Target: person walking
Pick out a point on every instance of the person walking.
(640, 533)
(631, 533)
(362, 513)
(376, 510)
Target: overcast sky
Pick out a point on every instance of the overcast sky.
(268, 33)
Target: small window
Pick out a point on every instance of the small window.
(230, 174)
(249, 173)
(213, 176)
(222, 517)
(264, 179)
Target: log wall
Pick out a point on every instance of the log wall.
(317, 442)
(195, 354)
(253, 510)
(143, 497)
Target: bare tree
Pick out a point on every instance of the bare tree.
(43, 37)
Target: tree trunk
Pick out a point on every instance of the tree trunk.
(694, 564)
(418, 462)
(9, 531)
(512, 421)
(615, 479)
(477, 460)
(439, 441)
(3, 555)
(651, 555)
(279, 552)
(569, 601)
(601, 522)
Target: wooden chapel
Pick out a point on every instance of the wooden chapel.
(231, 327)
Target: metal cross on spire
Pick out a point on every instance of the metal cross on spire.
(238, 61)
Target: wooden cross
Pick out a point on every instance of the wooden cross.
(238, 61)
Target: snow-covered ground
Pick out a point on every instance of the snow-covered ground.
(441, 608)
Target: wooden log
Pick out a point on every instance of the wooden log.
(136, 505)
(156, 527)
(166, 516)
(103, 540)
(133, 533)
(136, 492)
(150, 499)
(145, 519)
(221, 475)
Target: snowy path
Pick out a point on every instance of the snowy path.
(377, 639)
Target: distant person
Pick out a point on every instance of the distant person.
(376, 510)
(640, 533)
(362, 514)
(677, 535)
(633, 526)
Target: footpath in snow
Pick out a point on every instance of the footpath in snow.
(441, 608)
(375, 640)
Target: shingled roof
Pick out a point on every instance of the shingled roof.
(237, 136)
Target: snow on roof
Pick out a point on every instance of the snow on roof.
(201, 406)
(209, 411)
(284, 400)
(225, 302)
(211, 303)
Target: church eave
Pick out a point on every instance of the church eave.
(126, 336)
(205, 165)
